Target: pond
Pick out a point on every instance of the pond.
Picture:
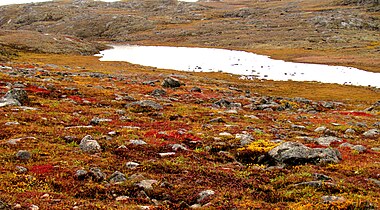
(249, 65)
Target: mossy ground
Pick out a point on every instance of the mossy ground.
(182, 176)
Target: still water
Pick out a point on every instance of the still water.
(249, 65)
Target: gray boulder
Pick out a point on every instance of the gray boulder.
(96, 174)
(144, 106)
(294, 153)
(23, 155)
(158, 92)
(171, 82)
(326, 141)
(204, 195)
(89, 145)
(81, 174)
(117, 177)
(14, 97)
(373, 133)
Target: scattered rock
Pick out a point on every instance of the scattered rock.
(81, 174)
(165, 154)
(33, 207)
(222, 103)
(326, 141)
(89, 145)
(178, 147)
(147, 184)
(11, 123)
(320, 129)
(245, 139)
(333, 199)
(373, 133)
(294, 153)
(171, 82)
(144, 106)
(226, 134)
(372, 180)
(21, 170)
(315, 184)
(3, 205)
(297, 127)
(158, 92)
(374, 107)
(96, 174)
(97, 121)
(132, 165)
(359, 148)
(204, 195)
(350, 131)
(14, 97)
(322, 177)
(23, 155)
(217, 120)
(196, 89)
(122, 198)
(117, 177)
(137, 142)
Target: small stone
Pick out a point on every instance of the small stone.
(372, 133)
(322, 177)
(81, 174)
(23, 155)
(176, 147)
(137, 142)
(34, 207)
(226, 134)
(21, 170)
(217, 120)
(376, 149)
(196, 89)
(375, 181)
(45, 196)
(89, 145)
(112, 133)
(196, 206)
(11, 123)
(298, 127)
(320, 129)
(16, 206)
(346, 144)
(158, 92)
(97, 121)
(359, 148)
(144, 106)
(333, 199)
(204, 195)
(3, 205)
(132, 165)
(122, 198)
(147, 184)
(166, 154)
(326, 141)
(96, 174)
(350, 131)
(117, 177)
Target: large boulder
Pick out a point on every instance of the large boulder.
(14, 97)
(171, 82)
(294, 153)
(89, 145)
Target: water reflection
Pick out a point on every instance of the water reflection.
(249, 65)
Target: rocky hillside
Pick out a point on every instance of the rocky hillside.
(336, 32)
(81, 134)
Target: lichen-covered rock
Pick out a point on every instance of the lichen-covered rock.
(117, 177)
(144, 106)
(171, 82)
(373, 133)
(294, 153)
(14, 97)
(89, 145)
(96, 174)
(23, 155)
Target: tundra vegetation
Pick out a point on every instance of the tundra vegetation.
(77, 133)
